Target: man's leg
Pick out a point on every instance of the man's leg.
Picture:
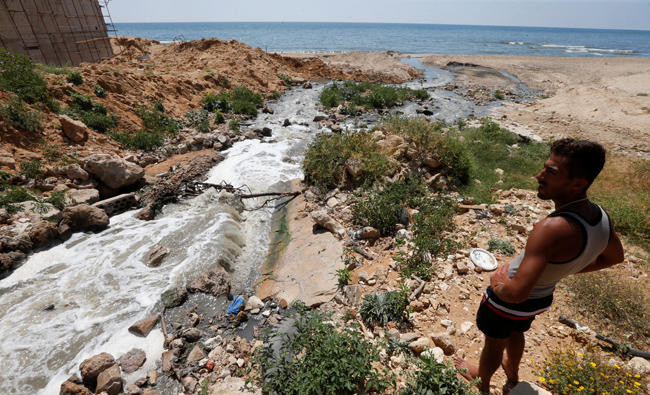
(491, 357)
(512, 358)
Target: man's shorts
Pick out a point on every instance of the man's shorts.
(499, 319)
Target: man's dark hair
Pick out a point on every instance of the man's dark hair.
(585, 158)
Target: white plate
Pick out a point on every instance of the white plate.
(483, 259)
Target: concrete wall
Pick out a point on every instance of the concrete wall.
(55, 32)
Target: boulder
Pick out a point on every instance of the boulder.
(113, 171)
(156, 256)
(46, 211)
(435, 353)
(639, 365)
(7, 159)
(81, 196)
(253, 303)
(9, 260)
(76, 131)
(445, 342)
(132, 360)
(420, 345)
(173, 297)
(324, 220)
(196, 354)
(70, 388)
(213, 282)
(143, 327)
(93, 366)
(191, 334)
(43, 233)
(369, 233)
(431, 163)
(391, 144)
(526, 388)
(75, 172)
(110, 381)
(82, 217)
(354, 167)
(167, 363)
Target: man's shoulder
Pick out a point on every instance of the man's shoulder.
(555, 228)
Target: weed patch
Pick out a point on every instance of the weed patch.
(318, 358)
(613, 300)
(199, 120)
(571, 372)
(19, 115)
(13, 194)
(328, 156)
(156, 120)
(17, 75)
(502, 246)
(140, 139)
(49, 69)
(240, 100)
(99, 91)
(432, 377)
(368, 95)
(379, 309)
(94, 115)
(32, 169)
(75, 78)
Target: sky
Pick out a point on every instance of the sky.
(616, 14)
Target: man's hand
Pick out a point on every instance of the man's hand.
(500, 276)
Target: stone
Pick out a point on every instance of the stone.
(132, 389)
(253, 303)
(420, 345)
(156, 256)
(132, 360)
(45, 211)
(286, 122)
(191, 334)
(431, 163)
(353, 294)
(369, 233)
(75, 172)
(526, 388)
(110, 381)
(639, 365)
(466, 326)
(266, 131)
(213, 342)
(166, 358)
(173, 297)
(93, 366)
(404, 217)
(444, 341)
(43, 233)
(113, 171)
(435, 353)
(332, 202)
(81, 196)
(189, 383)
(70, 388)
(354, 167)
(403, 234)
(408, 337)
(143, 327)
(498, 171)
(149, 391)
(7, 159)
(462, 267)
(196, 354)
(82, 217)
(213, 282)
(391, 144)
(74, 130)
(322, 219)
(319, 118)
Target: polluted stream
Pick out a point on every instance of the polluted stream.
(77, 299)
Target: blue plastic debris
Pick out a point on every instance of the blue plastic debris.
(235, 305)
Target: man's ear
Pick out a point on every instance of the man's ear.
(579, 184)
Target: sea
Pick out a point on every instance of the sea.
(405, 38)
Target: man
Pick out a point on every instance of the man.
(577, 237)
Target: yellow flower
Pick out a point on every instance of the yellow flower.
(637, 384)
(593, 365)
(576, 382)
(637, 376)
(579, 354)
(616, 366)
(621, 381)
(629, 392)
(542, 379)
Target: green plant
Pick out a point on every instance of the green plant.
(233, 125)
(328, 156)
(614, 301)
(642, 94)
(381, 208)
(156, 120)
(31, 169)
(51, 69)
(219, 118)
(571, 372)
(14, 194)
(198, 119)
(204, 388)
(17, 75)
(81, 102)
(502, 246)
(368, 95)
(140, 139)
(432, 377)
(285, 78)
(211, 102)
(343, 276)
(75, 78)
(98, 121)
(57, 199)
(18, 115)
(52, 152)
(499, 95)
(315, 357)
(158, 106)
(243, 101)
(379, 309)
(424, 134)
(99, 91)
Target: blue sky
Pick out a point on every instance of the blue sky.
(620, 14)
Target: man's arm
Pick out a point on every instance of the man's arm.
(612, 255)
(539, 244)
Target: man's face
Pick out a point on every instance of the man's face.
(553, 179)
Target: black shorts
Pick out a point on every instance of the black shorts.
(497, 324)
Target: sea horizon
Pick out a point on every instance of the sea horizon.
(411, 38)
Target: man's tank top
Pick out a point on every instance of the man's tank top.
(595, 242)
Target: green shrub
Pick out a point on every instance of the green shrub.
(50, 69)
(158, 106)
(612, 300)
(13, 194)
(325, 160)
(457, 157)
(571, 372)
(199, 120)
(285, 78)
(57, 199)
(502, 246)
(219, 118)
(499, 95)
(32, 169)
(140, 139)
(317, 358)
(158, 121)
(368, 95)
(343, 276)
(18, 115)
(244, 101)
(432, 377)
(17, 75)
(233, 125)
(379, 309)
(81, 102)
(212, 102)
(436, 216)
(99, 91)
(423, 133)
(381, 208)
(98, 121)
(75, 78)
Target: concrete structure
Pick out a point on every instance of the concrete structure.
(56, 32)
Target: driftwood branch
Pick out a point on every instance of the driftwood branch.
(239, 192)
